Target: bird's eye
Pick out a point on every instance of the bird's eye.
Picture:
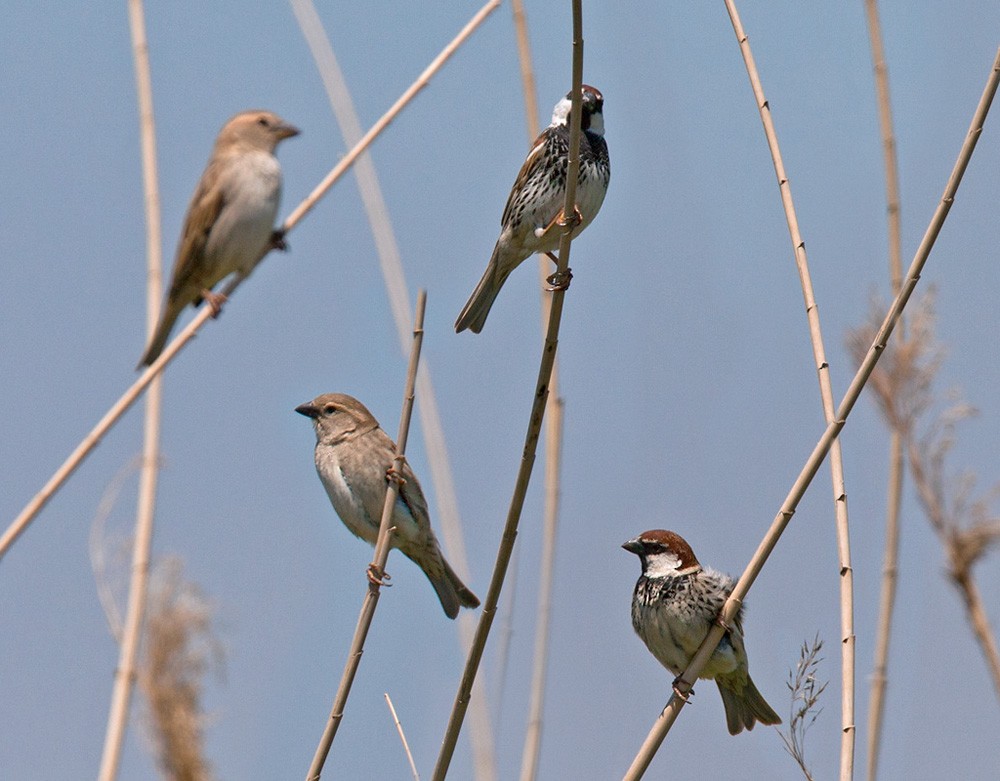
(262, 121)
(329, 409)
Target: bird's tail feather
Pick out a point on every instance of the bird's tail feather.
(451, 591)
(159, 339)
(473, 315)
(745, 705)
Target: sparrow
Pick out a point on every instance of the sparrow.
(229, 225)
(674, 605)
(530, 219)
(353, 459)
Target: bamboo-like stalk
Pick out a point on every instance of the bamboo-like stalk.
(886, 603)
(390, 261)
(127, 399)
(673, 707)
(894, 494)
(128, 651)
(553, 452)
(535, 422)
(382, 546)
(846, 572)
(402, 738)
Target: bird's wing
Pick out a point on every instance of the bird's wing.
(206, 205)
(528, 170)
(413, 497)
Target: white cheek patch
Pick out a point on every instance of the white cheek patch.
(662, 565)
(597, 124)
(560, 114)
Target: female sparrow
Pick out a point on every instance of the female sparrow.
(229, 225)
(353, 456)
(675, 603)
(529, 221)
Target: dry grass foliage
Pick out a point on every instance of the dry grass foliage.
(964, 523)
(902, 381)
(179, 649)
(806, 690)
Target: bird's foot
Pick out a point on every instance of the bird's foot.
(559, 280)
(684, 696)
(214, 301)
(378, 577)
(570, 222)
(395, 475)
(278, 240)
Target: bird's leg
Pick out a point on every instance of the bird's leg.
(560, 221)
(214, 301)
(278, 240)
(682, 695)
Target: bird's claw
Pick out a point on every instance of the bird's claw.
(214, 301)
(278, 240)
(378, 577)
(394, 474)
(684, 696)
(566, 222)
(559, 280)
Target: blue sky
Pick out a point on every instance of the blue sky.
(691, 401)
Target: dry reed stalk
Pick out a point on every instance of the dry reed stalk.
(105, 580)
(382, 546)
(673, 707)
(187, 333)
(845, 570)
(894, 494)
(553, 453)
(128, 652)
(534, 425)
(402, 737)
(390, 261)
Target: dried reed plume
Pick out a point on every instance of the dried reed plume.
(179, 649)
(904, 388)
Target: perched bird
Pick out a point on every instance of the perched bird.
(353, 456)
(534, 207)
(675, 603)
(229, 225)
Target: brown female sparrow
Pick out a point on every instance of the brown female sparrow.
(229, 225)
(675, 603)
(353, 456)
(534, 207)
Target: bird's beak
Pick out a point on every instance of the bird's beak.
(286, 131)
(633, 546)
(308, 410)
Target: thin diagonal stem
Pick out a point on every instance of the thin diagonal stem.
(833, 429)
(535, 422)
(846, 573)
(390, 261)
(382, 545)
(127, 399)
